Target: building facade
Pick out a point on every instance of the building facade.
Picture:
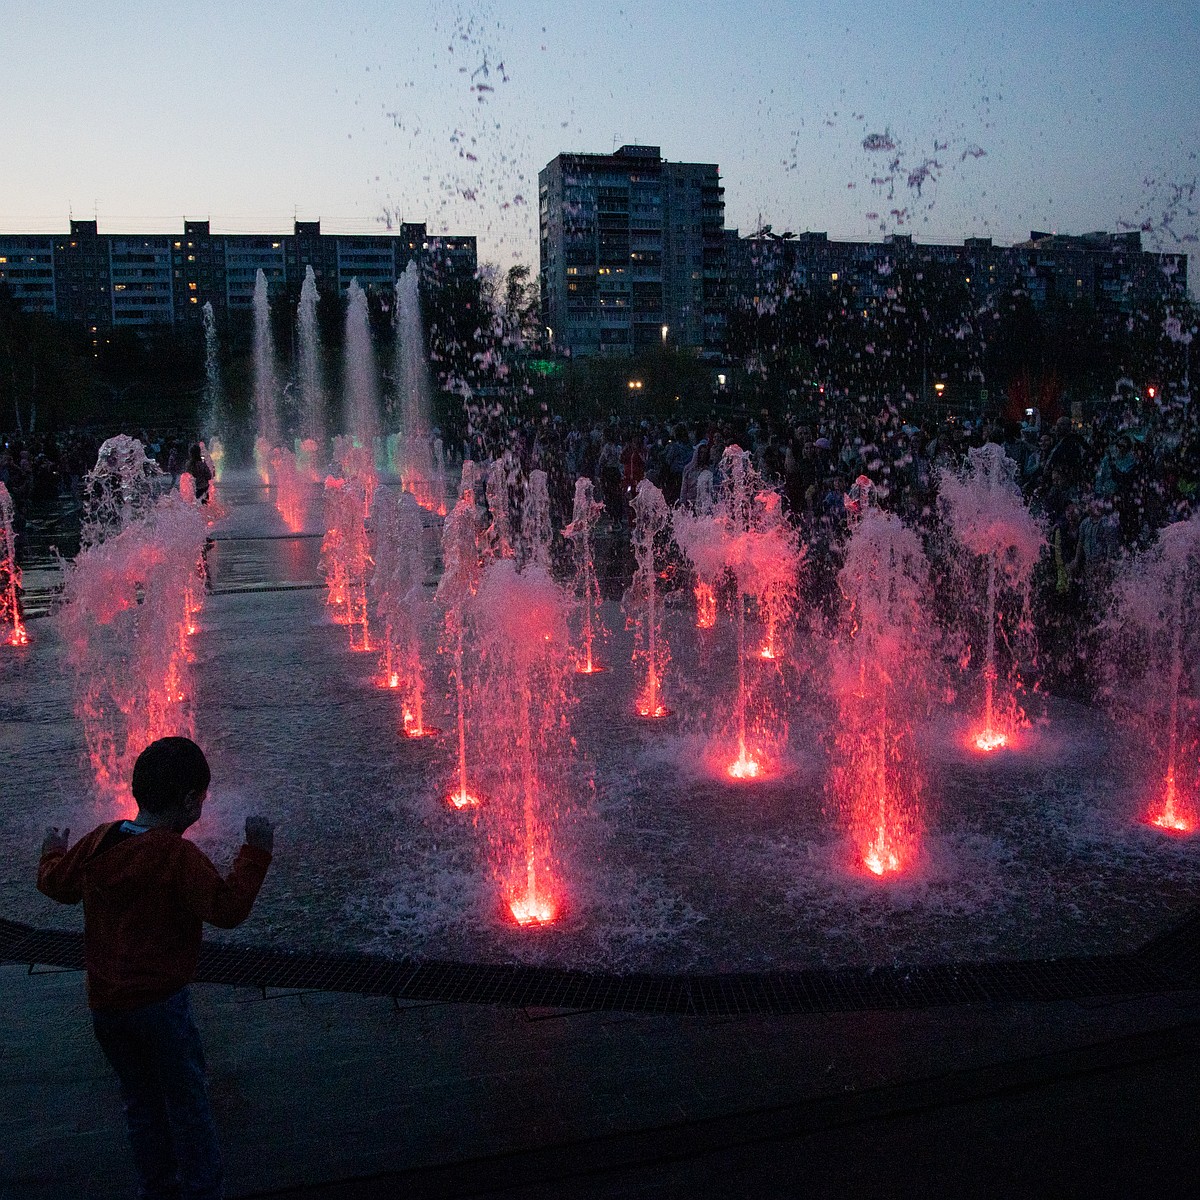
(1106, 272)
(632, 252)
(125, 281)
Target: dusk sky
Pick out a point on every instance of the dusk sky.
(1010, 116)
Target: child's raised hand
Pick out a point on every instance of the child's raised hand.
(56, 840)
(260, 833)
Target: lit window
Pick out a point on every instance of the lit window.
(191, 287)
(194, 299)
(833, 277)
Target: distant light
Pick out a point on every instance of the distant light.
(939, 388)
(665, 330)
(720, 380)
(1150, 391)
(635, 385)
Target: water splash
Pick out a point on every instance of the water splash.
(999, 542)
(459, 582)
(585, 515)
(312, 392)
(119, 490)
(129, 602)
(523, 698)
(1150, 665)
(12, 625)
(651, 518)
(537, 534)
(882, 678)
(360, 384)
(400, 606)
(346, 557)
(266, 381)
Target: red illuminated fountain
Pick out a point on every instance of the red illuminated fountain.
(459, 582)
(881, 667)
(12, 625)
(290, 486)
(400, 606)
(129, 601)
(346, 558)
(522, 701)
(584, 517)
(1151, 664)
(747, 536)
(651, 518)
(998, 546)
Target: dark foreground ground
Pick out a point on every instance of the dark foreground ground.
(326, 1095)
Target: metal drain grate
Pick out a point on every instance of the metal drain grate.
(1170, 962)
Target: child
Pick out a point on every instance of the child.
(146, 893)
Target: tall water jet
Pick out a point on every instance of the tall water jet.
(129, 602)
(346, 557)
(537, 535)
(12, 625)
(459, 582)
(746, 537)
(312, 390)
(400, 602)
(881, 676)
(523, 700)
(212, 406)
(361, 387)
(290, 487)
(498, 490)
(585, 515)
(1151, 666)
(415, 388)
(998, 544)
(651, 518)
(266, 382)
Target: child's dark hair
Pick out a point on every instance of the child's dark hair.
(166, 771)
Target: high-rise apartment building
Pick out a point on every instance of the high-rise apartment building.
(140, 281)
(632, 252)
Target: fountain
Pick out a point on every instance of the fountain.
(119, 490)
(312, 393)
(522, 700)
(290, 486)
(500, 535)
(130, 601)
(998, 544)
(10, 578)
(881, 668)
(585, 515)
(212, 414)
(265, 380)
(1152, 666)
(400, 602)
(361, 387)
(346, 557)
(459, 582)
(416, 466)
(536, 533)
(745, 537)
(651, 518)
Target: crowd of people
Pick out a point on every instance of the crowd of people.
(1101, 487)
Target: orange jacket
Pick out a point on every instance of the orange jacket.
(145, 900)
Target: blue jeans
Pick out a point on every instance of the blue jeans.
(156, 1053)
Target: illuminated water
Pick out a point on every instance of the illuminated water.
(663, 863)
